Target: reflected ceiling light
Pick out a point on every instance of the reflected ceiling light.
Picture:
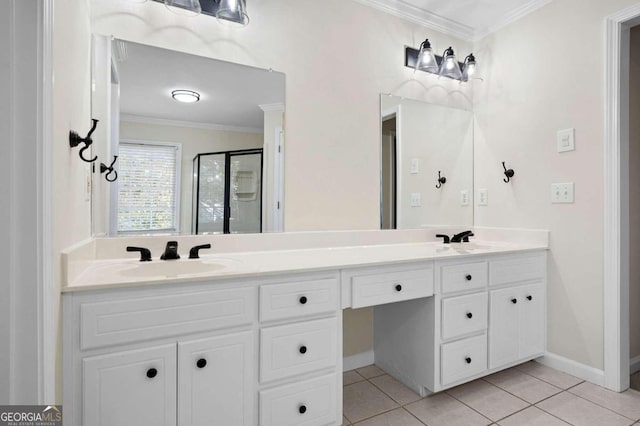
(184, 7)
(233, 11)
(447, 65)
(186, 96)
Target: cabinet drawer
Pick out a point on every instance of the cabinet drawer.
(296, 299)
(466, 276)
(462, 359)
(144, 318)
(463, 315)
(297, 348)
(309, 403)
(516, 269)
(377, 289)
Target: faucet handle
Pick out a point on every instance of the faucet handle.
(145, 253)
(466, 238)
(194, 253)
(446, 238)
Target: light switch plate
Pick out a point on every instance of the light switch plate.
(562, 193)
(464, 197)
(566, 140)
(483, 197)
(415, 166)
(415, 199)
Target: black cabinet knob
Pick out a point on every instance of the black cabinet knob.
(151, 373)
(201, 363)
(398, 287)
(303, 300)
(514, 301)
(302, 349)
(302, 409)
(468, 277)
(468, 360)
(529, 297)
(469, 315)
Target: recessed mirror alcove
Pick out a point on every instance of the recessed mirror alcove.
(199, 141)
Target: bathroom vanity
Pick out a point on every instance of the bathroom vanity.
(258, 339)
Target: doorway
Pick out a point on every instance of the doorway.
(389, 173)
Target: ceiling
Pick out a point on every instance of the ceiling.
(466, 19)
(230, 94)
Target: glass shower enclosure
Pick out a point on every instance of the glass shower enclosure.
(227, 192)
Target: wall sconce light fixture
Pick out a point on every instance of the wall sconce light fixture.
(447, 65)
(226, 11)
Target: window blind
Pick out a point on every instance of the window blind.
(147, 189)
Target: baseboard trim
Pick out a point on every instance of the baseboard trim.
(634, 364)
(569, 366)
(360, 360)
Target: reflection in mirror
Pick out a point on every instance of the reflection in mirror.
(426, 168)
(199, 143)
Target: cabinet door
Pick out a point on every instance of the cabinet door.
(134, 388)
(532, 320)
(503, 326)
(215, 381)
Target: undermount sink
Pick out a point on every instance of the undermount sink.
(176, 268)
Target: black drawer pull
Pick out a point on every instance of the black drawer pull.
(303, 300)
(469, 277)
(529, 297)
(514, 301)
(468, 360)
(303, 349)
(398, 287)
(469, 315)
(151, 373)
(202, 363)
(302, 409)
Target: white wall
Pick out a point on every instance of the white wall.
(634, 194)
(542, 74)
(194, 141)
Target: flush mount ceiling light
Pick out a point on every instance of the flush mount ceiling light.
(226, 11)
(184, 7)
(186, 96)
(447, 65)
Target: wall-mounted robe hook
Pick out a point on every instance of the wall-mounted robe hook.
(441, 180)
(508, 173)
(110, 170)
(75, 140)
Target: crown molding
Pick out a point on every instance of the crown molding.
(511, 17)
(272, 107)
(193, 124)
(422, 17)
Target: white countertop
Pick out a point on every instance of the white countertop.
(94, 274)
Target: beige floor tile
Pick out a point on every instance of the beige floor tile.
(549, 375)
(370, 371)
(351, 377)
(523, 385)
(444, 410)
(487, 399)
(363, 400)
(345, 422)
(626, 403)
(580, 412)
(396, 390)
(532, 416)
(398, 417)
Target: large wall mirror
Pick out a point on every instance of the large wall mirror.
(199, 143)
(426, 164)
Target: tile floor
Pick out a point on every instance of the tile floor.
(528, 394)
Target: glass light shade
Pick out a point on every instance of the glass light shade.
(233, 12)
(184, 7)
(449, 66)
(427, 60)
(470, 70)
(186, 96)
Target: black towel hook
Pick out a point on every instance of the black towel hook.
(508, 173)
(110, 169)
(441, 180)
(75, 140)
